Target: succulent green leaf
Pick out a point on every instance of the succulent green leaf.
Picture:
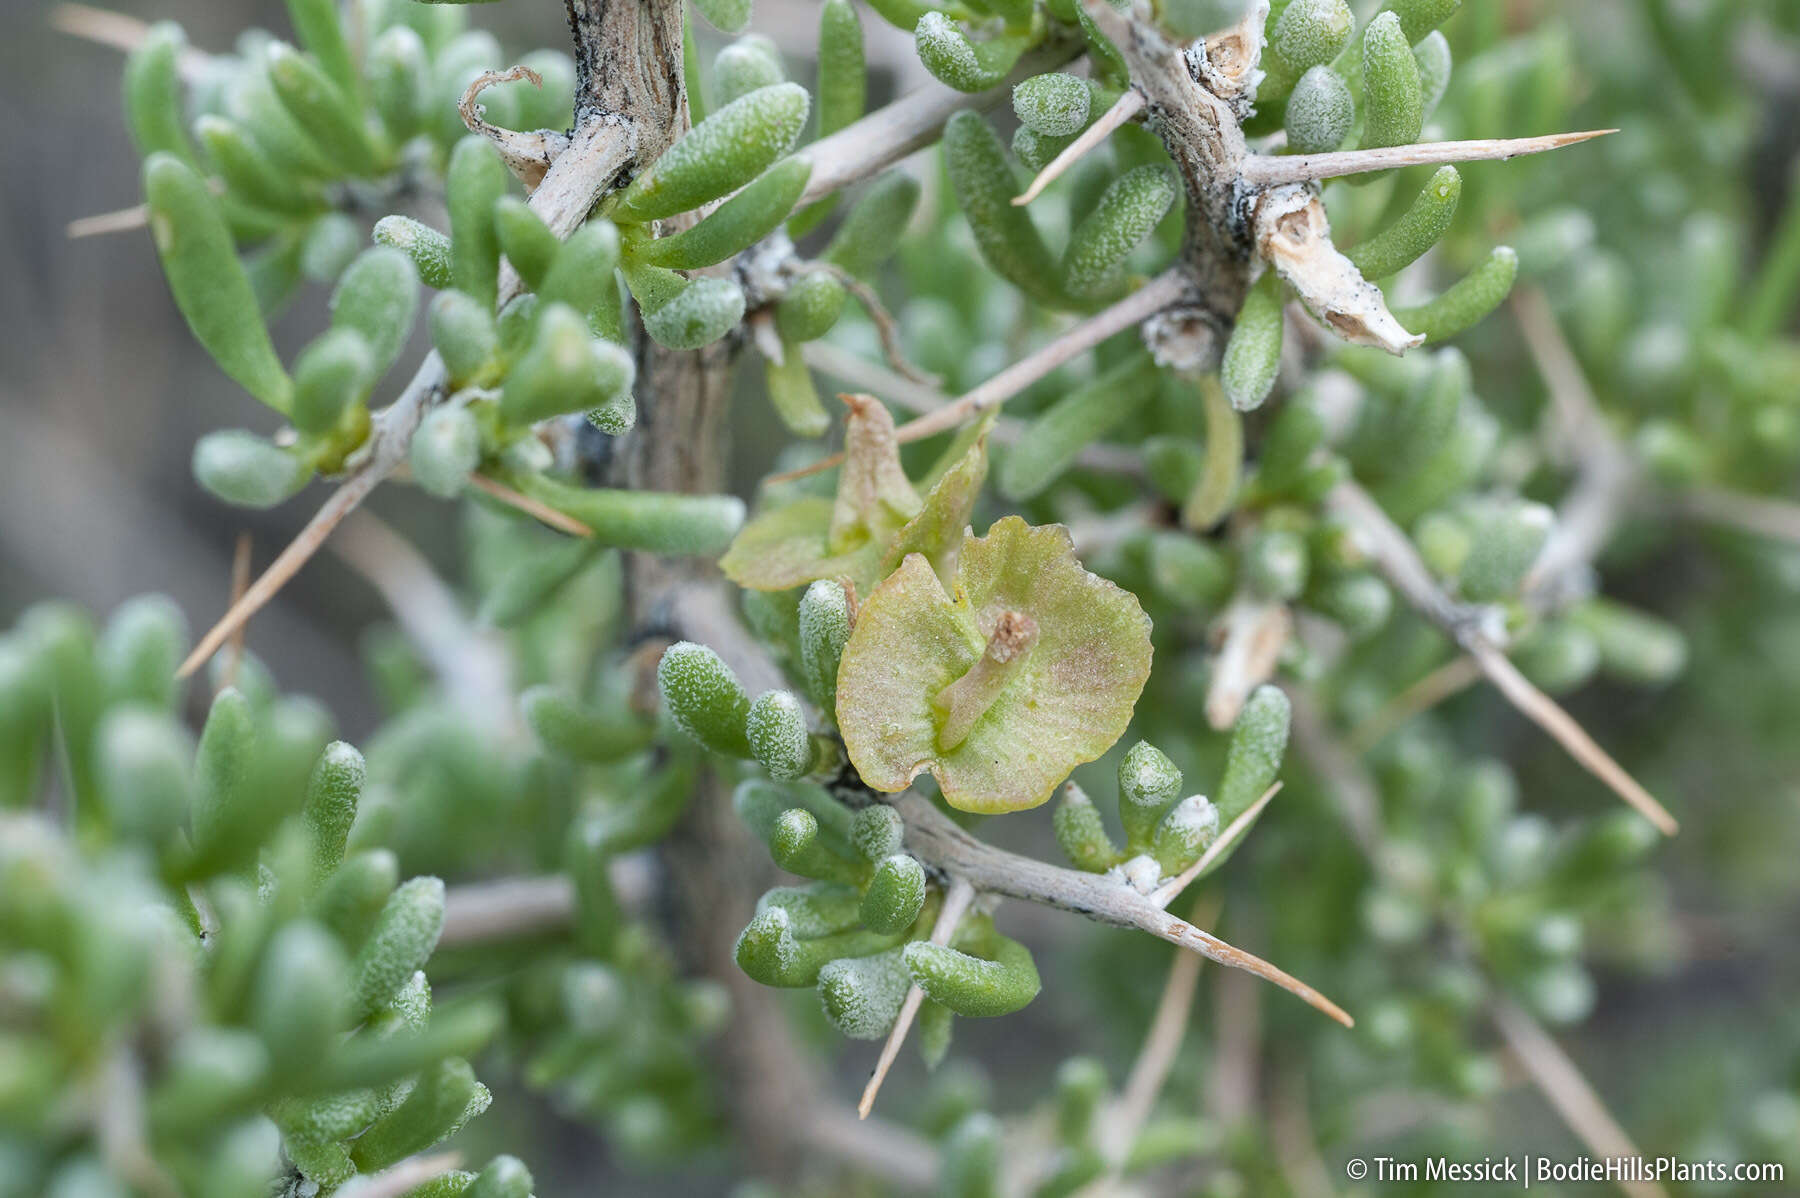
(824, 631)
(1418, 229)
(1253, 354)
(705, 310)
(965, 65)
(740, 222)
(1393, 102)
(473, 183)
(332, 795)
(896, 894)
(1051, 443)
(525, 239)
(862, 995)
(1320, 112)
(719, 155)
(153, 99)
(867, 235)
(566, 725)
(210, 287)
(428, 249)
(1258, 743)
(745, 65)
(704, 697)
(661, 522)
(400, 942)
(1466, 301)
(778, 736)
(1148, 784)
(1128, 211)
(1081, 832)
(985, 184)
(331, 375)
(1185, 832)
(329, 116)
(812, 305)
(727, 16)
(1053, 104)
(997, 977)
(246, 470)
(378, 296)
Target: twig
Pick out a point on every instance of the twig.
(122, 220)
(596, 154)
(957, 897)
(1394, 556)
(1171, 890)
(1146, 301)
(401, 1178)
(240, 582)
(1267, 170)
(1124, 108)
(1607, 475)
(1168, 1027)
(892, 132)
(469, 662)
(1547, 714)
(902, 392)
(886, 327)
(511, 908)
(1778, 519)
(1568, 1091)
(888, 1150)
(1453, 677)
(948, 850)
(388, 438)
(535, 508)
(117, 30)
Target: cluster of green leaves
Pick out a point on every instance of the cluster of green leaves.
(209, 929)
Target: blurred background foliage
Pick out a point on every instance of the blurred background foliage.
(1667, 971)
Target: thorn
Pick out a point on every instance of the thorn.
(1268, 170)
(956, 904)
(1171, 890)
(1123, 109)
(240, 582)
(1547, 714)
(527, 155)
(1177, 931)
(542, 512)
(1165, 289)
(122, 221)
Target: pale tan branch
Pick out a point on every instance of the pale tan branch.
(1123, 109)
(886, 327)
(511, 908)
(596, 154)
(119, 31)
(948, 850)
(1269, 170)
(1146, 301)
(894, 131)
(958, 895)
(1168, 1027)
(1607, 475)
(1451, 678)
(1474, 630)
(1561, 1082)
(1171, 890)
(902, 392)
(1547, 714)
(1778, 519)
(537, 509)
(888, 1150)
(470, 662)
